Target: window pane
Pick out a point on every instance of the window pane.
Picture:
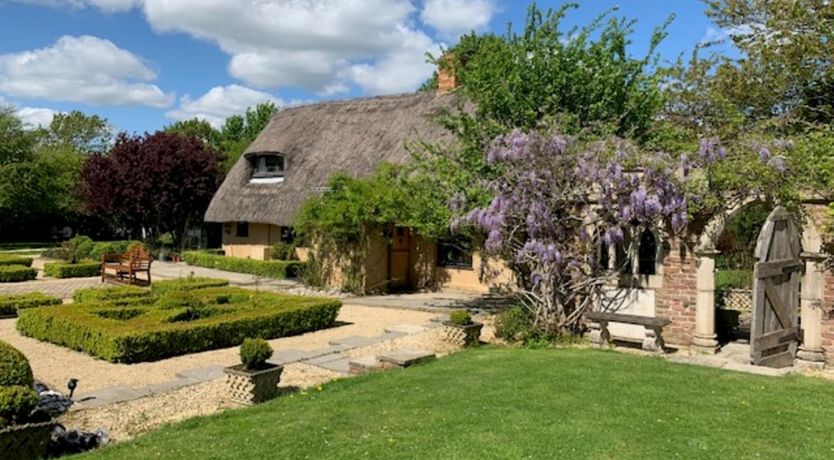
(243, 229)
(454, 253)
(647, 253)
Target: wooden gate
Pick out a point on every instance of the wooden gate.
(774, 329)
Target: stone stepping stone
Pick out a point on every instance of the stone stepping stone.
(323, 359)
(202, 374)
(290, 355)
(405, 328)
(340, 365)
(356, 341)
(364, 365)
(440, 319)
(405, 357)
(328, 350)
(119, 393)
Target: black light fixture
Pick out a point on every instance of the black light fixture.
(71, 385)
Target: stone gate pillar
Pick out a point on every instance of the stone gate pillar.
(810, 352)
(705, 340)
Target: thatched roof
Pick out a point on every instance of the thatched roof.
(318, 140)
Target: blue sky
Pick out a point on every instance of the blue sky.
(146, 63)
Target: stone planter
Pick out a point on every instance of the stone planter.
(22, 442)
(463, 335)
(252, 386)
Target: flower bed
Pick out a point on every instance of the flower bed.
(15, 273)
(10, 304)
(267, 268)
(213, 318)
(15, 260)
(84, 269)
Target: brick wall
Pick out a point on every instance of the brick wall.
(676, 299)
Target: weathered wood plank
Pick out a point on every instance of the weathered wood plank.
(777, 268)
(628, 319)
(776, 338)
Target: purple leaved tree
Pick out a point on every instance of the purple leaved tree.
(560, 207)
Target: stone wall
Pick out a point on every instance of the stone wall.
(676, 299)
(828, 317)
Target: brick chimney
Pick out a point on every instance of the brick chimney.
(446, 80)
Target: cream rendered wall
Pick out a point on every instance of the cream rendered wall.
(255, 246)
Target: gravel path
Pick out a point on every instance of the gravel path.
(54, 365)
(126, 420)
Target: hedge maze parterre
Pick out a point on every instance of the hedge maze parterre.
(129, 324)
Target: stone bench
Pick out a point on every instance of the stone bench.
(653, 340)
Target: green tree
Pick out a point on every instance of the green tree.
(240, 130)
(785, 71)
(16, 143)
(200, 129)
(86, 134)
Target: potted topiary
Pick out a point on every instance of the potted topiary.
(461, 329)
(254, 380)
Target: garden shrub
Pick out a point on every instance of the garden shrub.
(14, 367)
(15, 273)
(15, 260)
(17, 404)
(733, 279)
(83, 269)
(460, 318)
(513, 324)
(187, 284)
(161, 333)
(254, 353)
(267, 268)
(111, 247)
(10, 304)
(282, 251)
(119, 295)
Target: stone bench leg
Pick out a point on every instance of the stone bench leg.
(653, 341)
(599, 334)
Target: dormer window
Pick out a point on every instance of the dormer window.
(267, 167)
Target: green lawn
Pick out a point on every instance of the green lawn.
(509, 403)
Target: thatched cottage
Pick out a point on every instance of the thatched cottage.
(302, 147)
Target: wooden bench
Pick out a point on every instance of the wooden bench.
(123, 268)
(653, 326)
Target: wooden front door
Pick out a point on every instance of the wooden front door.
(400, 257)
(774, 329)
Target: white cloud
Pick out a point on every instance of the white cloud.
(453, 18)
(34, 117)
(401, 70)
(320, 45)
(219, 103)
(81, 69)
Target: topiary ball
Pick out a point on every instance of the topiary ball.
(460, 318)
(254, 353)
(17, 404)
(14, 367)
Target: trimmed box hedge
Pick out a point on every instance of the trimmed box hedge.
(14, 367)
(10, 304)
(84, 269)
(187, 284)
(15, 260)
(15, 273)
(223, 317)
(118, 295)
(268, 268)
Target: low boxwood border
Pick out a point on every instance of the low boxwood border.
(84, 269)
(17, 273)
(152, 333)
(15, 260)
(10, 304)
(187, 284)
(268, 268)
